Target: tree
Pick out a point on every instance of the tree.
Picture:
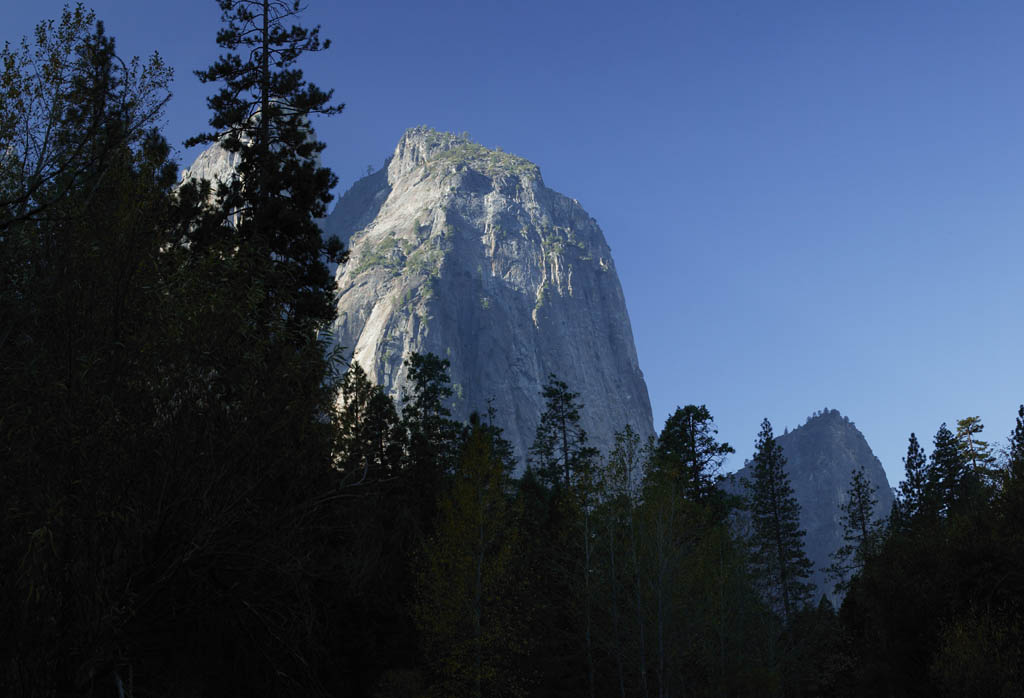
(84, 209)
(564, 462)
(560, 453)
(778, 538)
(975, 452)
(1015, 450)
(371, 436)
(65, 107)
(861, 531)
(912, 499)
(948, 471)
(168, 501)
(267, 216)
(467, 612)
(687, 447)
(1013, 471)
(620, 493)
(433, 436)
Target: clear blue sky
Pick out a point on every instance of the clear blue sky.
(810, 204)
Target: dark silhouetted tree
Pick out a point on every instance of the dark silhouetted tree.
(560, 454)
(778, 539)
(862, 531)
(688, 448)
(948, 471)
(467, 610)
(912, 500)
(267, 215)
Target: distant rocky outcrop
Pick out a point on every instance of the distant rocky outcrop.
(820, 456)
(214, 164)
(460, 250)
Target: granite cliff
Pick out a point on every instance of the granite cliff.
(462, 251)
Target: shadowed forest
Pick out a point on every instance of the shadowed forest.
(199, 497)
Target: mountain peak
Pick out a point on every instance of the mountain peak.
(461, 251)
(820, 457)
(441, 152)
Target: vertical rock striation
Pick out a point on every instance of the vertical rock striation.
(462, 251)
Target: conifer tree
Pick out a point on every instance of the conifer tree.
(976, 453)
(560, 453)
(778, 539)
(565, 463)
(688, 447)
(1015, 450)
(947, 471)
(267, 216)
(1013, 474)
(468, 590)
(911, 501)
(620, 494)
(433, 436)
(861, 531)
(370, 434)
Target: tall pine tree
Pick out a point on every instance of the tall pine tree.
(267, 216)
(778, 539)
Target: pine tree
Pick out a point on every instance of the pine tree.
(912, 498)
(433, 436)
(1015, 449)
(267, 216)
(468, 591)
(620, 494)
(947, 472)
(861, 531)
(560, 453)
(371, 438)
(976, 453)
(778, 538)
(688, 447)
(1012, 495)
(565, 463)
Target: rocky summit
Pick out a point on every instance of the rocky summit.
(462, 251)
(820, 458)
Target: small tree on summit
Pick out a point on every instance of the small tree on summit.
(778, 539)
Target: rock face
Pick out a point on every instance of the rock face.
(214, 164)
(820, 457)
(462, 251)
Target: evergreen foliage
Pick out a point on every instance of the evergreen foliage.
(474, 638)
(912, 502)
(560, 454)
(974, 451)
(775, 516)
(862, 532)
(1015, 451)
(267, 216)
(689, 449)
(950, 473)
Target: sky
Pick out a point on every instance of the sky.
(810, 204)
